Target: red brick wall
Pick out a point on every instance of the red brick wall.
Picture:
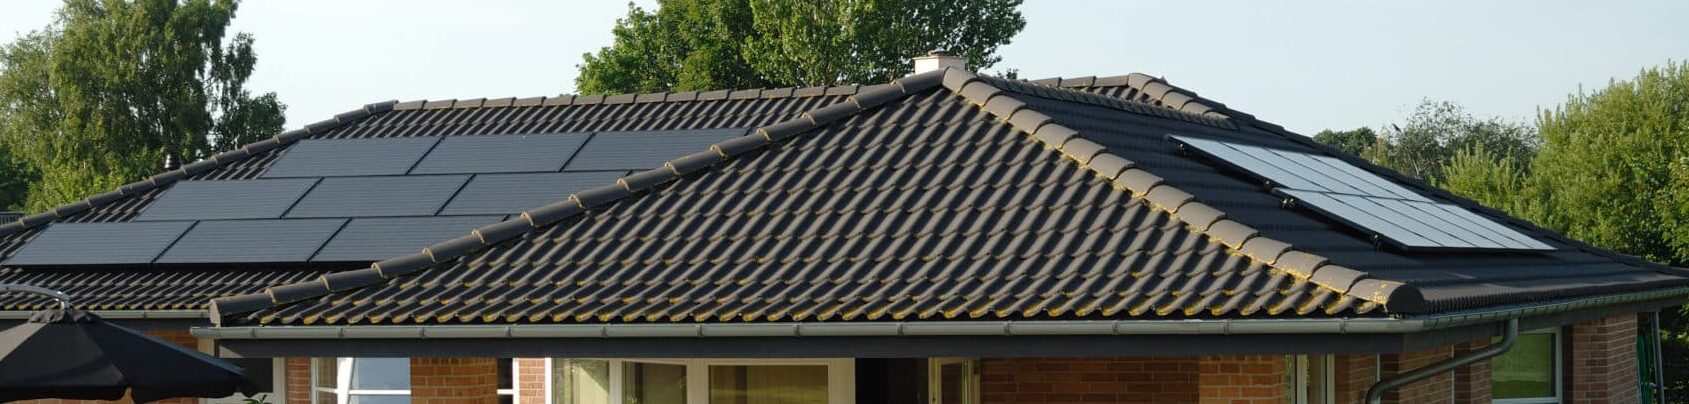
(1353, 375)
(1472, 382)
(1603, 361)
(298, 380)
(1432, 390)
(454, 380)
(1244, 379)
(1088, 380)
(530, 381)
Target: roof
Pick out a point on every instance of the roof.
(946, 196)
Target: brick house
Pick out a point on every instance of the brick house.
(944, 238)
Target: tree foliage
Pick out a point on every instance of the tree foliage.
(1353, 141)
(1438, 130)
(716, 44)
(98, 98)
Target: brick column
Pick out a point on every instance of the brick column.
(1432, 390)
(1354, 374)
(1244, 379)
(1472, 382)
(298, 380)
(1088, 380)
(454, 381)
(530, 381)
(1603, 361)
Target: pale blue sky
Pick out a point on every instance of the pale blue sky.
(1307, 65)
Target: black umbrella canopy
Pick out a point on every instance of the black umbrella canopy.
(72, 354)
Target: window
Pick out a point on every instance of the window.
(380, 381)
(702, 381)
(953, 381)
(1530, 371)
(1312, 379)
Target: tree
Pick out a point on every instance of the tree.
(1615, 165)
(715, 44)
(98, 98)
(1436, 131)
(1353, 141)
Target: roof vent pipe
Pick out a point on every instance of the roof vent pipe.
(172, 161)
(939, 59)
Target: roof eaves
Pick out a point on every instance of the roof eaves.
(576, 205)
(215, 161)
(1396, 297)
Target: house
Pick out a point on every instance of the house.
(947, 238)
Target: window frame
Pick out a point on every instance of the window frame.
(841, 375)
(1299, 378)
(343, 381)
(1559, 368)
(935, 375)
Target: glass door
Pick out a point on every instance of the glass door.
(953, 381)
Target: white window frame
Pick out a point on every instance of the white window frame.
(1559, 372)
(841, 375)
(343, 381)
(970, 393)
(1300, 378)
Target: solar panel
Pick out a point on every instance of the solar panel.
(379, 238)
(350, 157)
(645, 150)
(500, 154)
(251, 241)
(406, 195)
(99, 243)
(1366, 201)
(514, 193)
(231, 199)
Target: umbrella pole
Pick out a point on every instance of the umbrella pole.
(61, 297)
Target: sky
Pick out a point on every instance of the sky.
(1307, 65)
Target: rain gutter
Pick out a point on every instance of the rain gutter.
(1383, 325)
(122, 314)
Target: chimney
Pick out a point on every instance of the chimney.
(172, 162)
(939, 59)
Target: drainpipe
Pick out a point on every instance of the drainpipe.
(1659, 360)
(1375, 394)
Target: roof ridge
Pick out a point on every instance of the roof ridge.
(576, 204)
(640, 98)
(187, 170)
(1157, 88)
(1396, 297)
(1201, 116)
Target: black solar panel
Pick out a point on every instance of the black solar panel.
(99, 243)
(410, 195)
(500, 154)
(379, 238)
(514, 193)
(351, 157)
(252, 241)
(242, 199)
(1367, 201)
(644, 150)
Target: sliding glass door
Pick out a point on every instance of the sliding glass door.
(703, 381)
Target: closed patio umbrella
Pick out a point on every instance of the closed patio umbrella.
(72, 354)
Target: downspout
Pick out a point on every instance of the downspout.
(1375, 394)
(1659, 360)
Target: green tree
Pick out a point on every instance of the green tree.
(1437, 131)
(1615, 165)
(1354, 141)
(98, 98)
(715, 44)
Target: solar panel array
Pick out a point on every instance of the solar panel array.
(359, 200)
(1351, 195)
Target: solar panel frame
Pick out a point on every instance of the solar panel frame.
(638, 150)
(251, 241)
(99, 243)
(227, 199)
(351, 157)
(403, 195)
(514, 193)
(379, 238)
(501, 153)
